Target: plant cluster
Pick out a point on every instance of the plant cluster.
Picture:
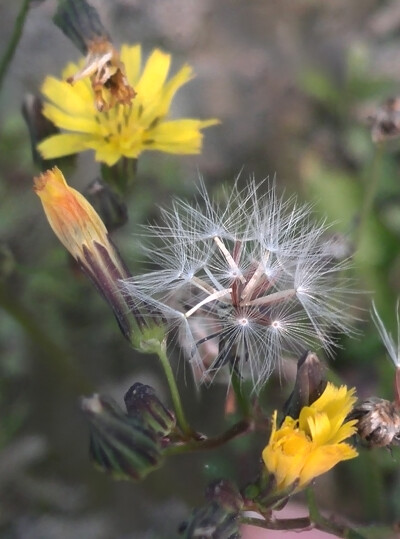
(237, 284)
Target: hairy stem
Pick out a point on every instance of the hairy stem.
(13, 43)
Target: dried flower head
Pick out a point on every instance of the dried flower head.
(378, 422)
(244, 282)
(107, 75)
(127, 129)
(81, 23)
(386, 121)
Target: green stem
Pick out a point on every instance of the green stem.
(210, 443)
(176, 399)
(370, 192)
(13, 43)
(121, 175)
(241, 398)
(312, 504)
(324, 524)
(54, 358)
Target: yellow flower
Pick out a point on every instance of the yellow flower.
(303, 448)
(126, 130)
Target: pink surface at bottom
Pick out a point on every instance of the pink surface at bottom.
(290, 511)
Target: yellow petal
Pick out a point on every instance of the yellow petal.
(153, 77)
(132, 60)
(285, 456)
(178, 136)
(82, 124)
(346, 430)
(184, 75)
(107, 155)
(63, 144)
(160, 106)
(319, 428)
(70, 69)
(322, 459)
(73, 99)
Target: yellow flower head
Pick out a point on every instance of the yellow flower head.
(126, 130)
(304, 448)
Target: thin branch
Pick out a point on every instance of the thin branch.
(13, 43)
(236, 430)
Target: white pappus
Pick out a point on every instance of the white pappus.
(244, 281)
(393, 349)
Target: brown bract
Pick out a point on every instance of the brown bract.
(386, 121)
(107, 75)
(378, 422)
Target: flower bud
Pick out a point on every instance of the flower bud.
(40, 128)
(83, 234)
(80, 22)
(120, 444)
(142, 402)
(219, 517)
(309, 385)
(109, 205)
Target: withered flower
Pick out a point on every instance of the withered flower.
(386, 121)
(107, 75)
(81, 23)
(378, 422)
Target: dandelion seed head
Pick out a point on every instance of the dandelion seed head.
(244, 280)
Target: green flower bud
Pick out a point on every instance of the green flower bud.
(219, 517)
(40, 128)
(80, 22)
(120, 444)
(142, 402)
(108, 204)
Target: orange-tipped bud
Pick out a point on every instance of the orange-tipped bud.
(72, 218)
(83, 234)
